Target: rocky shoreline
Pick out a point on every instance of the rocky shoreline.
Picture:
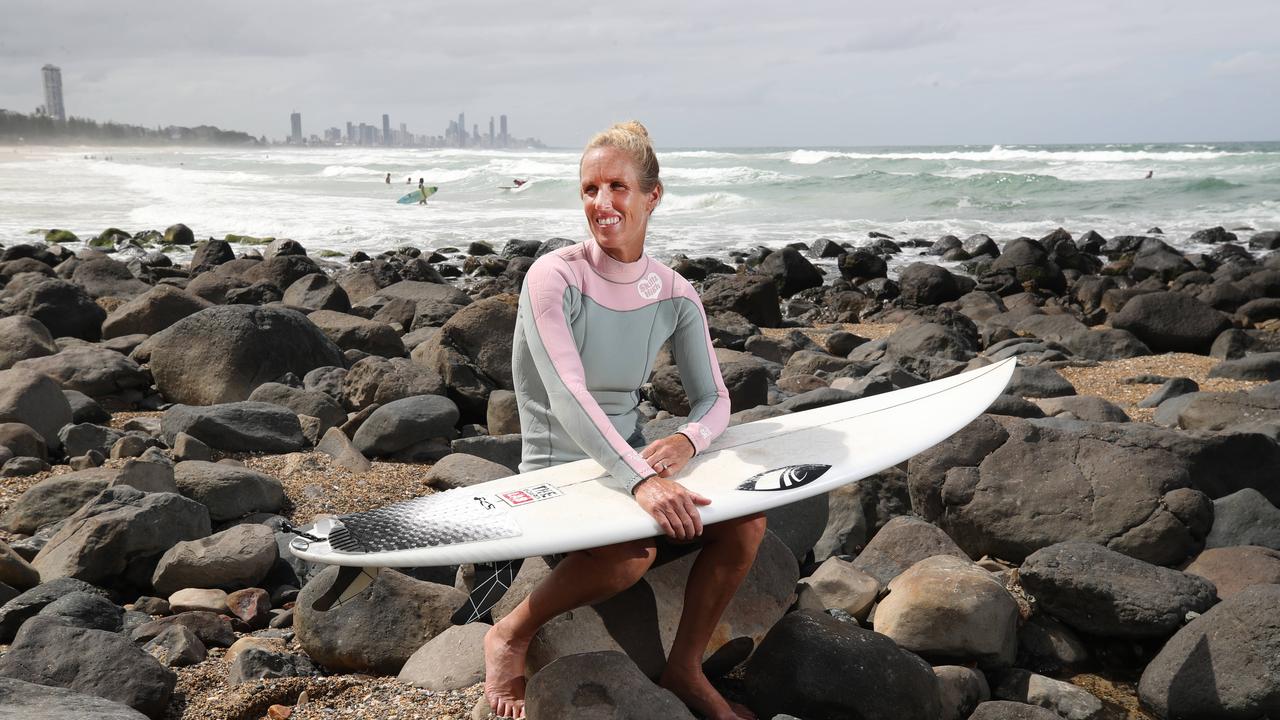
(1102, 544)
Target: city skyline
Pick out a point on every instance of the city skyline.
(455, 135)
(711, 74)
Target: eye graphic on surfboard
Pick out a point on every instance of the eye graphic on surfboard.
(785, 478)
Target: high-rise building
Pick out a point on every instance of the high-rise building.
(386, 129)
(351, 133)
(295, 128)
(53, 92)
(490, 131)
(475, 134)
(502, 139)
(462, 129)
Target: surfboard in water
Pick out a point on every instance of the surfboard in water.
(750, 468)
(417, 194)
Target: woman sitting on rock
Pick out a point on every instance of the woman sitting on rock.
(591, 321)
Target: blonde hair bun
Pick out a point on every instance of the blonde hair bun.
(632, 138)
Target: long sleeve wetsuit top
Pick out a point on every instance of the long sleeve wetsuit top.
(588, 332)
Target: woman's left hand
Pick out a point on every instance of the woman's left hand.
(669, 455)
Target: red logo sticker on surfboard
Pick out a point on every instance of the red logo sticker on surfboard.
(524, 496)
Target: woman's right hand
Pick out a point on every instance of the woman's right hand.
(674, 506)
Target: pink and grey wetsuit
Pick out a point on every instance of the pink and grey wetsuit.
(588, 332)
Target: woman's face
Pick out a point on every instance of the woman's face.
(617, 209)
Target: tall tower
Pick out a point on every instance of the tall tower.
(490, 131)
(503, 137)
(462, 129)
(53, 92)
(386, 129)
(295, 128)
(351, 133)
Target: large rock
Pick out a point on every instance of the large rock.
(302, 402)
(1171, 322)
(23, 337)
(105, 277)
(1008, 487)
(813, 666)
(599, 684)
(901, 543)
(152, 311)
(1255, 366)
(754, 297)
(462, 470)
(238, 557)
(452, 660)
(85, 610)
(400, 424)
(94, 371)
(642, 620)
(1102, 592)
(1027, 262)
(1232, 569)
(413, 290)
(945, 608)
(228, 491)
(1245, 517)
(378, 629)
(926, 284)
(64, 308)
(472, 353)
(222, 353)
(22, 608)
(237, 426)
(790, 271)
(317, 291)
(35, 400)
(1010, 710)
(281, 270)
(94, 662)
(1227, 412)
(378, 380)
(33, 701)
(54, 498)
(1223, 664)
(100, 540)
(351, 332)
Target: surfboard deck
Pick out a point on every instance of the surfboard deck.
(750, 468)
(417, 194)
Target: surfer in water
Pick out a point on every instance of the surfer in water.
(422, 188)
(388, 178)
(518, 182)
(621, 305)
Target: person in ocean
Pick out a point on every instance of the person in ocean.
(388, 178)
(1149, 174)
(422, 189)
(518, 182)
(408, 180)
(590, 322)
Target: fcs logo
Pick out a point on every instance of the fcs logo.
(785, 478)
(649, 286)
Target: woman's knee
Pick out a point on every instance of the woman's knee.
(627, 561)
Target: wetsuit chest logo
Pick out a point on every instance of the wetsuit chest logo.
(649, 286)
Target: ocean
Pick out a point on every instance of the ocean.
(334, 198)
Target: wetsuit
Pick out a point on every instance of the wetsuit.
(588, 332)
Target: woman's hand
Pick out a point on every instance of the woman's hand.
(669, 455)
(674, 507)
(669, 502)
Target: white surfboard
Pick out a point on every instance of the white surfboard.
(750, 468)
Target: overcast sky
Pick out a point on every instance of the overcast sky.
(699, 73)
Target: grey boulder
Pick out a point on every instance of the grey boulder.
(1102, 592)
(23, 337)
(402, 423)
(238, 557)
(152, 311)
(1244, 517)
(228, 491)
(237, 426)
(34, 399)
(604, 684)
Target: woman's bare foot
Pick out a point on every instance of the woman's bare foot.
(504, 672)
(694, 690)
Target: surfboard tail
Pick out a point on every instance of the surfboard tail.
(351, 581)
